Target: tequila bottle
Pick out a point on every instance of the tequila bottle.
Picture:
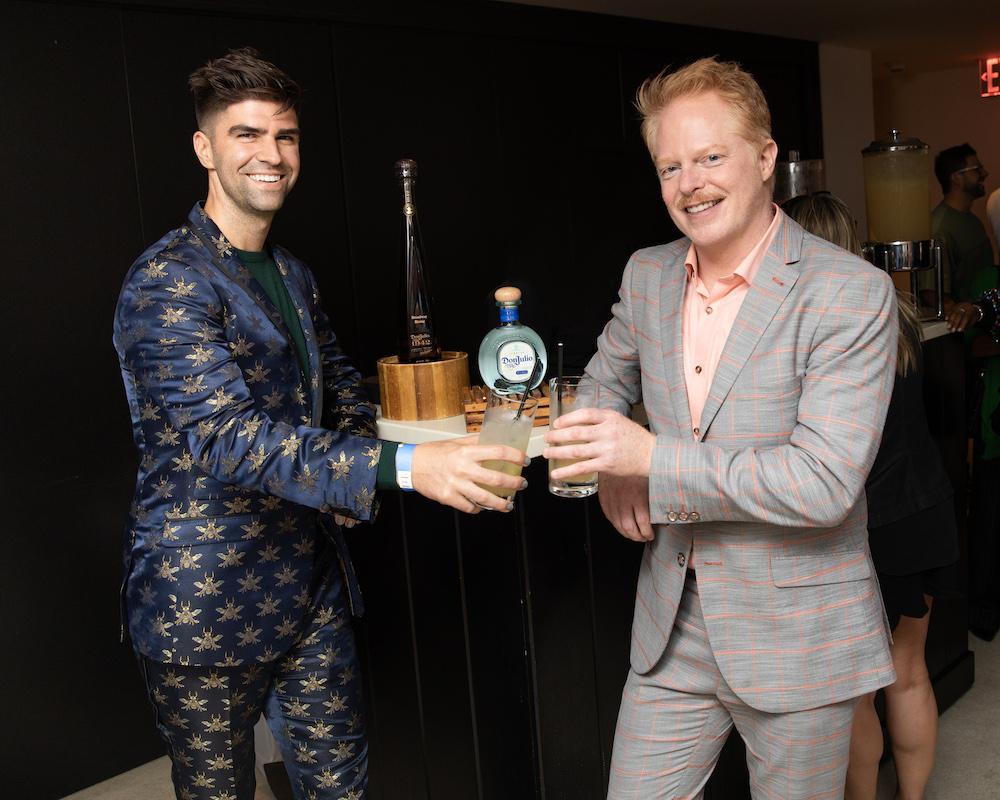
(417, 340)
(508, 354)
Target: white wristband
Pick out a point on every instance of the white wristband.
(404, 464)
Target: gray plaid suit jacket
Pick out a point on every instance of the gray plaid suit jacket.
(767, 503)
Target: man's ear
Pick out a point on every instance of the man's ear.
(768, 157)
(203, 149)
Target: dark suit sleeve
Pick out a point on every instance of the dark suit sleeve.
(177, 349)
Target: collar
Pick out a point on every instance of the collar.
(750, 263)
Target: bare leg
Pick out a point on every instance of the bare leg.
(911, 710)
(866, 750)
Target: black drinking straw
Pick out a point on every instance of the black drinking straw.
(527, 388)
(559, 373)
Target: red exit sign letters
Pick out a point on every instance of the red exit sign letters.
(989, 77)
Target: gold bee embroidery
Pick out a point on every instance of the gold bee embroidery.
(374, 454)
(241, 347)
(154, 270)
(290, 446)
(199, 355)
(172, 316)
(342, 467)
(181, 289)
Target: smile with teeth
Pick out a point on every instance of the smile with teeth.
(265, 178)
(702, 206)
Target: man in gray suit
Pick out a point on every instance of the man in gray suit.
(764, 357)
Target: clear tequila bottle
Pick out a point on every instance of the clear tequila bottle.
(417, 339)
(508, 354)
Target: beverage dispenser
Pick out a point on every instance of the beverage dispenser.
(897, 176)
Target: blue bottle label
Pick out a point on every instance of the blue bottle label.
(515, 361)
(508, 314)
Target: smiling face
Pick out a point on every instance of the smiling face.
(713, 180)
(251, 152)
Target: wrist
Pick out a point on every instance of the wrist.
(404, 466)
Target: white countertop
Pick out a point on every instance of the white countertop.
(414, 432)
(933, 328)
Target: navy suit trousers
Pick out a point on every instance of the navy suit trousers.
(310, 695)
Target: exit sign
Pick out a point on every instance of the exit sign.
(989, 77)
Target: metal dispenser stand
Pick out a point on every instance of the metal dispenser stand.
(897, 173)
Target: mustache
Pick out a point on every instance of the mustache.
(685, 201)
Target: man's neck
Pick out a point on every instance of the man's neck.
(243, 231)
(958, 200)
(720, 261)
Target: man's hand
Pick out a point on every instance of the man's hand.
(448, 472)
(606, 441)
(625, 502)
(961, 315)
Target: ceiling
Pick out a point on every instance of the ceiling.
(909, 35)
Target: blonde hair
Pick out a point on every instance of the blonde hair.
(828, 217)
(725, 78)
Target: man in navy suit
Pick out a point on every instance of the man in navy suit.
(256, 447)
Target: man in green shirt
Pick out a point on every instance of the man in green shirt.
(966, 248)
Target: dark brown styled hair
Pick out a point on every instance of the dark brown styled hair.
(237, 76)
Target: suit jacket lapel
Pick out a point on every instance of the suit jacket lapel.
(673, 283)
(315, 377)
(770, 287)
(224, 258)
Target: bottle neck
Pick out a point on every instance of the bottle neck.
(409, 202)
(508, 315)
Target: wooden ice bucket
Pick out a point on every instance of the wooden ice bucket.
(431, 390)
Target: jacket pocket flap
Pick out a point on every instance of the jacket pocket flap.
(819, 570)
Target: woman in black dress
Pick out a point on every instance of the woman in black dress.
(914, 544)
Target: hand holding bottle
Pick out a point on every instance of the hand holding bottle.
(448, 472)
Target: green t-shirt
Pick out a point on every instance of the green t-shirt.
(265, 272)
(982, 281)
(965, 250)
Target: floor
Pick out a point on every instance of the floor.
(968, 759)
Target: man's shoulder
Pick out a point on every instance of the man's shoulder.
(661, 255)
(821, 261)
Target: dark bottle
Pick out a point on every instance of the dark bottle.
(417, 340)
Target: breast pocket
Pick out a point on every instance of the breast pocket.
(819, 570)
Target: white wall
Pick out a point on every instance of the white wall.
(944, 108)
(845, 77)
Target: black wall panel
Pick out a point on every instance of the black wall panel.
(70, 224)
(494, 648)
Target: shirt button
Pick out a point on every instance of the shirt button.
(697, 370)
(681, 559)
(696, 431)
(708, 310)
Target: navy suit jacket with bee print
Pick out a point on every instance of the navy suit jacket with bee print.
(240, 454)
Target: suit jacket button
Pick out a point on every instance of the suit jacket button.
(683, 516)
(694, 516)
(672, 516)
(681, 559)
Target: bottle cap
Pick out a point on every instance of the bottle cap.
(406, 168)
(507, 295)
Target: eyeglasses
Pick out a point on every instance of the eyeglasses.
(978, 168)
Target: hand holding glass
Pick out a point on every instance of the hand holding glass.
(566, 394)
(507, 421)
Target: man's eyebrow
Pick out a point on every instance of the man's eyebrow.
(235, 129)
(287, 131)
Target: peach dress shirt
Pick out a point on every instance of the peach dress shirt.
(709, 316)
